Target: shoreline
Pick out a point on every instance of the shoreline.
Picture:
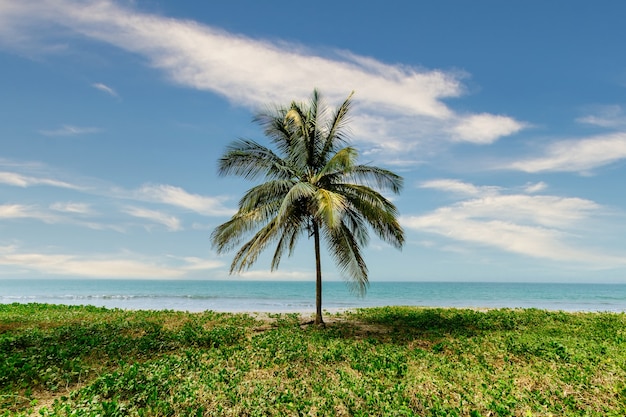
(298, 297)
(304, 312)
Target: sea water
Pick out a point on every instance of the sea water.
(279, 296)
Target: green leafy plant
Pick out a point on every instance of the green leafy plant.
(393, 361)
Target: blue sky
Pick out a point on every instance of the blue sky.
(506, 119)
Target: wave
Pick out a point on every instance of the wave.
(125, 297)
(298, 296)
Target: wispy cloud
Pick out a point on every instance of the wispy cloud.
(72, 208)
(459, 187)
(465, 189)
(171, 222)
(605, 116)
(199, 264)
(21, 211)
(485, 128)
(539, 226)
(278, 275)
(58, 213)
(176, 196)
(253, 72)
(70, 130)
(578, 155)
(88, 267)
(38, 175)
(19, 180)
(532, 188)
(116, 265)
(105, 88)
(16, 211)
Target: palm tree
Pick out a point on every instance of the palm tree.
(313, 185)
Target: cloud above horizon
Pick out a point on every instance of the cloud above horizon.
(578, 155)
(254, 72)
(538, 226)
(611, 116)
(73, 208)
(155, 202)
(105, 88)
(176, 196)
(20, 180)
(485, 128)
(172, 223)
(69, 130)
(122, 265)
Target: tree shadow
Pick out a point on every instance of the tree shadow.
(405, 324)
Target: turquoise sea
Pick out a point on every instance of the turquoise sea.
(273, 296)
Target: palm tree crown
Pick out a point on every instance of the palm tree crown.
(313, 185)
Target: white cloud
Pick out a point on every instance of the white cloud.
(167, 194)
(605, 116)
(171, 222)
(532, 241)
(459, 187)
(69, 130)
(72, 208)
(152, 193)
(19, 180)
(547, 227)
(485, 128)
(199, 264)
(278, 275)
(126, 265)
(406, 101)
(19, 211)
(71, 265)
(549, 211)
(581, 155)
(14, 211)
(536, 187)
(243, 69)
(105, 88)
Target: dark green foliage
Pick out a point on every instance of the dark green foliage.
(51, 355)
(392, 361)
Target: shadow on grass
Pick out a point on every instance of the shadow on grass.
(407, 323)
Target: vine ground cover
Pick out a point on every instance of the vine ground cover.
(397, 361)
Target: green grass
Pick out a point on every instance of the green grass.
(88, 361)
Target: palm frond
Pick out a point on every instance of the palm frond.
(267, 192)
(297, 121)
(381, 178)
(346, 252)
(248, 159)
(330, 207)
(291, 231)
(335, 130)
(376, 210)
(230, 234)
(357, 225)
(341, 164)
(250, 251)
(275, 128)
(297, 197)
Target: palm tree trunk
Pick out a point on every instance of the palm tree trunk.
(318, 275)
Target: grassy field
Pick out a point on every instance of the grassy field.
(88, 361)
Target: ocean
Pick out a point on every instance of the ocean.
(281, 297)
